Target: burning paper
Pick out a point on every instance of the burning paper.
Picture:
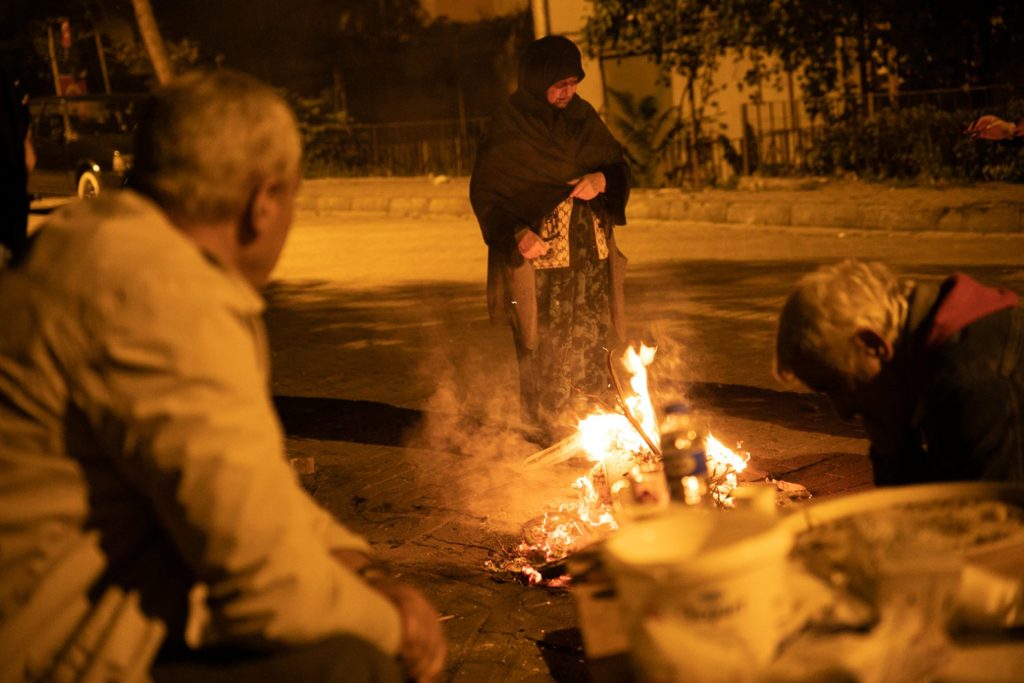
(724, 466)
(615, 443)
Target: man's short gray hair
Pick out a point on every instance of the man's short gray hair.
(207, 140)
(822, 316)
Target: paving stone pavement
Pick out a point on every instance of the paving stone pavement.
(434, 478)
(438, 489)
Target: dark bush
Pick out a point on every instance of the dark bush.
(917, 142)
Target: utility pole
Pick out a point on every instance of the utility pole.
(541, 18)
(463, 131)
(53, 58)
(150, 33)
(103, 59)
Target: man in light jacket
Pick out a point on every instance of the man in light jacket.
(146, 504)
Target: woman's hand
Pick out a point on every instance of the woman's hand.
(531, 245)
(589, 186)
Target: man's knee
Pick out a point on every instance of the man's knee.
(340, 659)
(347, 659)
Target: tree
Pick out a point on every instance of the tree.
(920, 44)
(836, 46)
(681, 36)
(946, 43)
(649, 135)
(150, 33)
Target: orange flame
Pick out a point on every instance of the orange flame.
(639, 404)
(724, 465)
(605, 434)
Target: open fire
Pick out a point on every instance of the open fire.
(616, 444)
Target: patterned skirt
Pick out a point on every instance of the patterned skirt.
(566, 376)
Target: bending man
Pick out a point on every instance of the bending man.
(935, 369)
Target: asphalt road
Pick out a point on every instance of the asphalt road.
(398, 308)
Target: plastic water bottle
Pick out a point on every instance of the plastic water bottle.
(682, 452)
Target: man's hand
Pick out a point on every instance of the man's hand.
(991, 127)
(423, 648)
(531, 245)
(589, 186)
(353, 559)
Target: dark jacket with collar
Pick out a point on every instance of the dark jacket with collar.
(964, 348)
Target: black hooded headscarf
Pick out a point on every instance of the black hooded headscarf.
(533, 150)
(547, 61)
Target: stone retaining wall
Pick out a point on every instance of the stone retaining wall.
(818, 209)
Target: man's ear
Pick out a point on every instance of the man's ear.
(258, 212)
(873, 344)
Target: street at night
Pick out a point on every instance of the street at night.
(515, 341)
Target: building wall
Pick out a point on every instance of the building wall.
(729, 93)
(472, 10)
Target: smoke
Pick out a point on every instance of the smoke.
(673, 366)
(471, 420)
(473, 415)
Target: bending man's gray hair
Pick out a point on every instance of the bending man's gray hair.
(821, 317)
(207, 140)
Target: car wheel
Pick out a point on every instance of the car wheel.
(88, 185)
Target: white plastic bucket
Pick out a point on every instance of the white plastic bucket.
(704, 594)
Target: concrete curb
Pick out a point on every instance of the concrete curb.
(995, 216)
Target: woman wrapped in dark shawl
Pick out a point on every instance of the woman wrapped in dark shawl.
(549, 184)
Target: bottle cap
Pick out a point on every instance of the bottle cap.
(676, 409)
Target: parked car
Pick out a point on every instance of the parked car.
(83, 144)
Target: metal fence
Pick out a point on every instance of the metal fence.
(399, 149)
(946, 99)
(778, 137)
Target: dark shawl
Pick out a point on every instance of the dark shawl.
(527, 159)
